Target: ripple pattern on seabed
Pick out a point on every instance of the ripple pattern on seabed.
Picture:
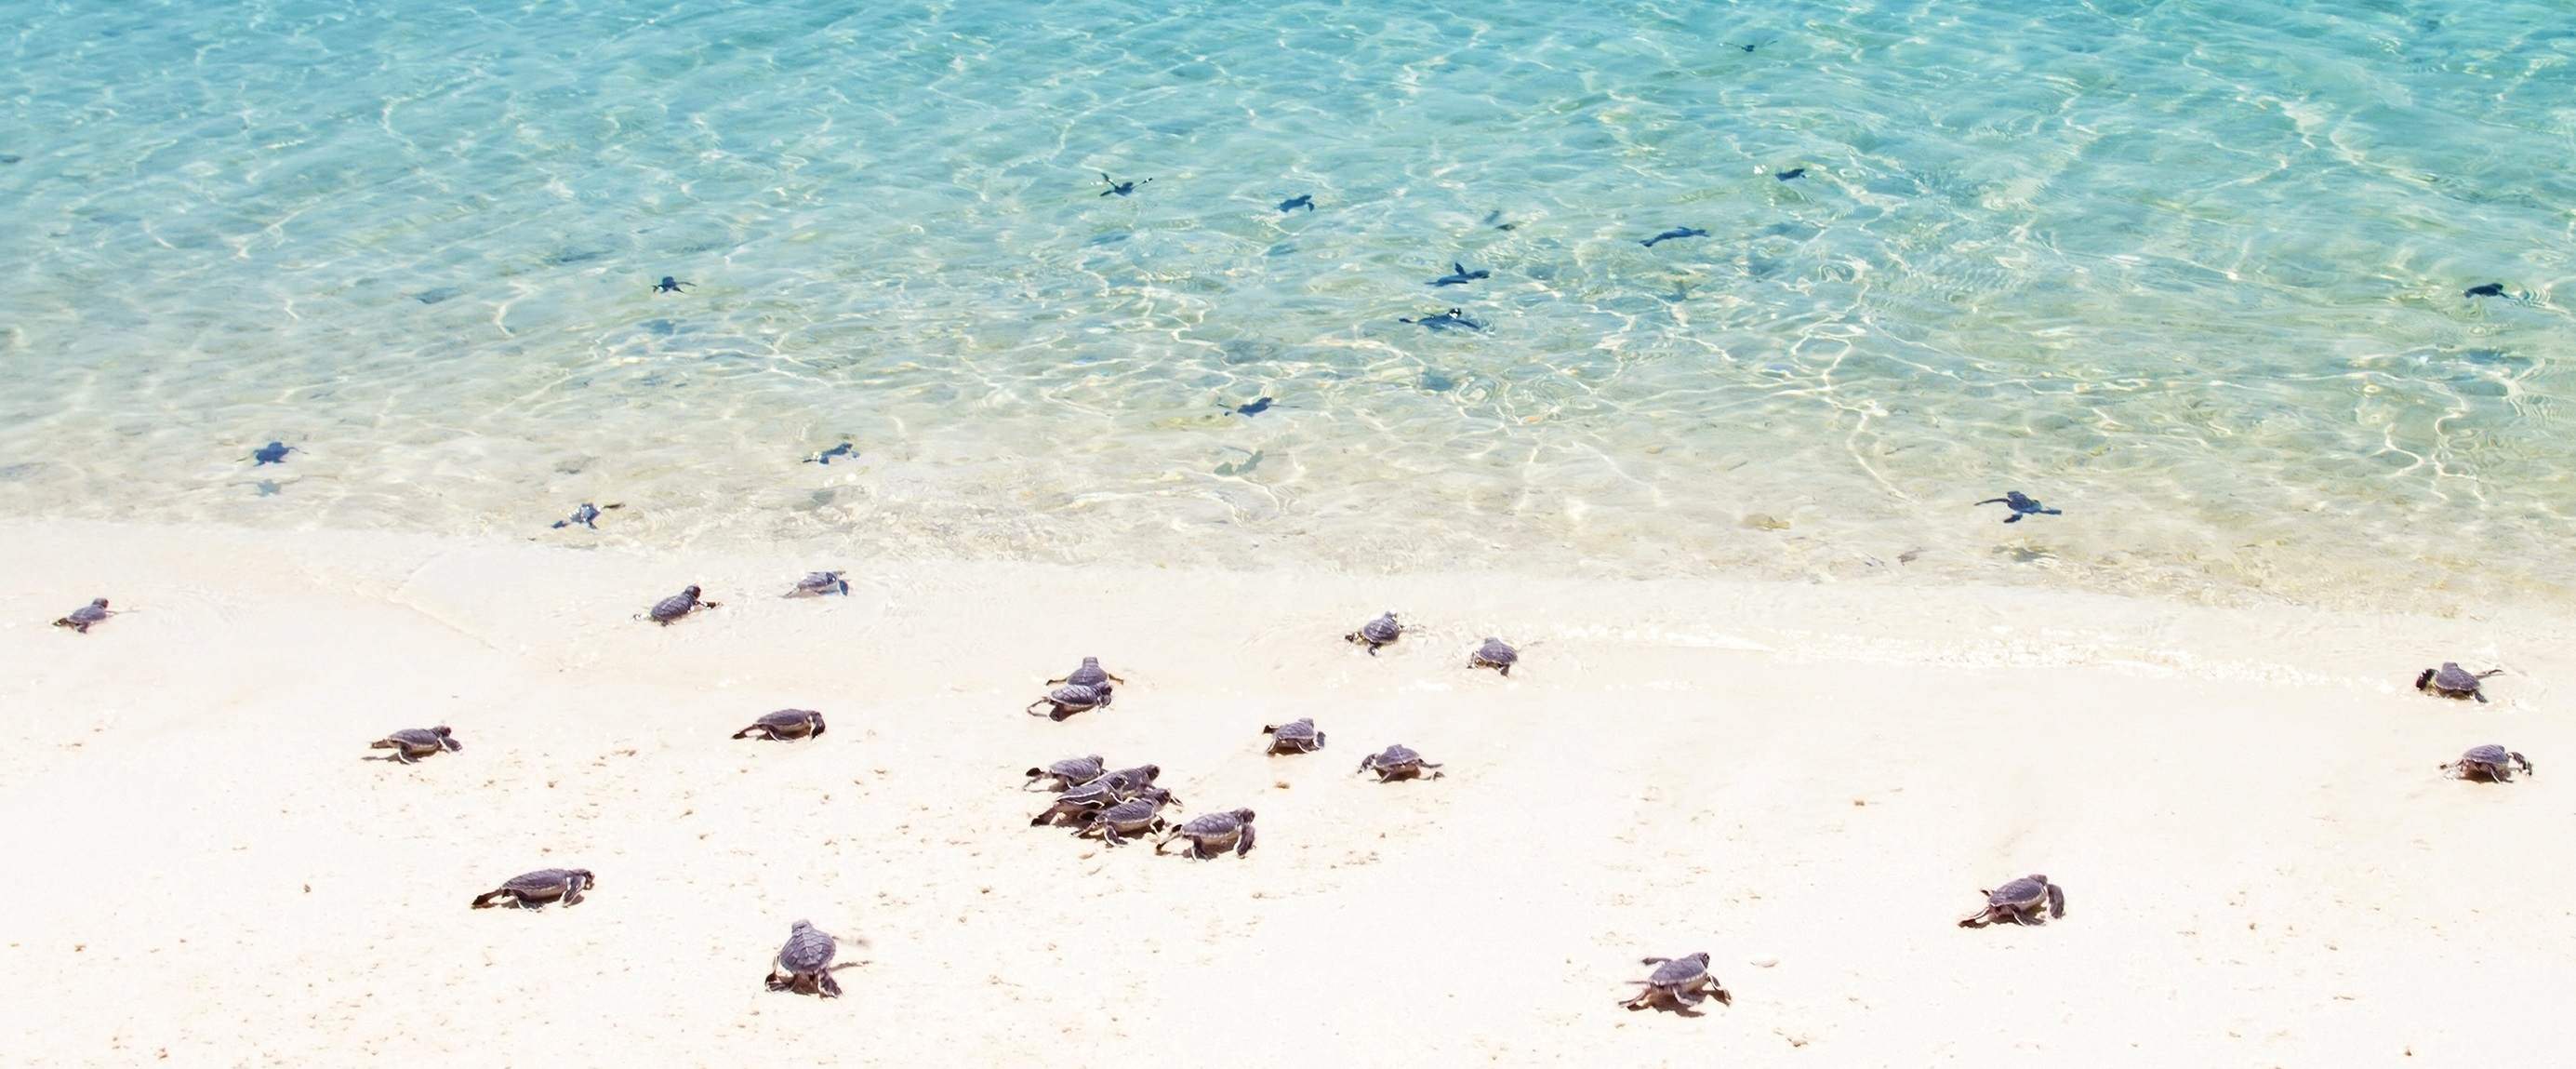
(2190, 271)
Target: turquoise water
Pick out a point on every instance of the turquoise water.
(2192, 272)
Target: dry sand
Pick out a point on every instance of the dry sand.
(1809, 782)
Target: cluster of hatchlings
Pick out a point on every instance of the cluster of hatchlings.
(1120, 805)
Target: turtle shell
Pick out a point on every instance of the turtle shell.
(2452, 677)
(1300, 728)
(808, 950)
(2026, 891)
(2489, 754)
(1680, 971)
(1076, 769)
(1213, 824)
(1395, 756)
(1089, 675)
(1496, 651)
(91, 613)
(675, 606)
(1079, 696)
(1382, 630)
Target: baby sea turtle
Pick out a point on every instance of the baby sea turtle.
(1136, 817)
(80, 619)
(1680, 983)
(806, 961)
(1254, 407)
(671, 284)
(817, 584)
(1453, 319)
(1089, 675)
(669, 609)
(1674, 234)
(824, 458)
(1295, 736)
(1792, 174)
(1302, 200)
(272, 453)
(1495, 654)
(2021, 505)
(1099, 792)
(2491, 763)
(1397, 762)
(1459, 275)
(532, 890)
(783, 725)
(1211, 834)
(411, 744)
(1378, 632)
(1062, 775)
(2019, 902)
(2453, 681)
(1119, 188)
(1069, 699)
(2490, 289)
(587, 515)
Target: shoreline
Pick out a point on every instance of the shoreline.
(2262, 865)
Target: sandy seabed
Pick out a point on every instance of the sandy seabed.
(1810, 782)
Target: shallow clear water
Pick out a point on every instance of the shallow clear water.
(2190, 271)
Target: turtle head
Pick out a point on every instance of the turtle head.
(1701, 958)
(691, 590)
(2039, 879)
(2425, 680)
(1244, 815)
(583, 878)
(815, 719)
(801, 926)
(98, 603)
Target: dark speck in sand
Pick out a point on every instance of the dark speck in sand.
(442, 293)
(1791, 174)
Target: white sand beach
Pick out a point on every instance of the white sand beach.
(1810, 782)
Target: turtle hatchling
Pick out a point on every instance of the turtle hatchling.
(817, 584)
(1089, 675)
(1495, 654)
(2453, 681)
(2491, 763)
(1378, 632)
(806, 961)
(411, 744)
(1062, 775)
(1069, 699)
(784, 724)
(1680, 983)
(670, 609)
(1295, 736)
(1211, 834)
(1397, 762)
(1098, 792)
(80, 619)
(2019, 902)
(1134, 818)
(534, 889)
(2021, 505)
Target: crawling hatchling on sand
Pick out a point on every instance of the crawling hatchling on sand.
(1134, 818)
(1099, 792)
(1213, 833)
(1679, 983)
(411, 744)
(783, 725)
(817, 584)
(2019, 902)
(1069, 699)
(533, 890)
(80, 619)
(1089, 675)
(1295, 736)
(1064, 774)
(1495, 654)
(805, 962)
(1375, 633)
(1397, 762)
(2491, 763)
(669, 609)
(2453, 681)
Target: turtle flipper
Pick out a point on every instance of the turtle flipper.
(2014, 518)
(2056, 901)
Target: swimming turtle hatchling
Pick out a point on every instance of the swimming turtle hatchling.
(1375, 633)
(1099, 792)
(80, 619)
(1064, 774)
(1069, 699)
(805, 961)
(1210, 834)
(532, 890)
(1495, 654)
(2491, 763)
(1680, 983)
(669, 609)
(1295, 736)
(411, 744)
(783, 725)
(2019, 902)
(817, 584)
(1397, 762)
(2453, 681)
(1136, 817)
(1089, 675)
